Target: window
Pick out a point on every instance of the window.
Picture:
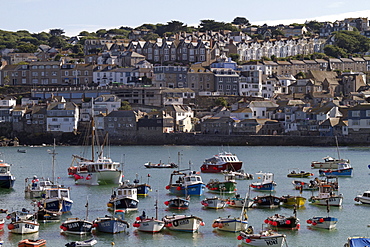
(355, 122)
(356, 113)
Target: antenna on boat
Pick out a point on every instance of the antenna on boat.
(156, 206)
(53, 154)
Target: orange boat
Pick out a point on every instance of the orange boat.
(31, 243)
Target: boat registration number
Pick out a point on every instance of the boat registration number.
(271, 241)
(183, 222)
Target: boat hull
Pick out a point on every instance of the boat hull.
(76, 226)
(342, 172)
(263, 187)
(267, 201)
(97, 178)
(276, 240)
(142, 189)
(23, 227)
(222, 187)
(239, 202)
(331, 201)
(218, 168)
(214, 203)
(291, 201)
(282, 222)
(323, 222)
(178, 203)
(44, 215)
(230, 225)
(150, 225)
(110, 225)
(127, 204)
(7, 182)
(58, 204)
(193, 190)
(32, 243)
(182, 223)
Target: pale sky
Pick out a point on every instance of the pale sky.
(74, 16)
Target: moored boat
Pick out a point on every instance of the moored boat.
(264, 238)
(364, 197)
(146, 224)
(328, 163)
(111, 223)
(57, 199)
(239, 175)
(293, 201)
(160, 165)
(267, 183)
(238, 202)
(267, 201)
(124, 197)
(88, 242)
(36, 187)
(2, 223)
(301, 185)
(344, 169)
(299, 174)
(32, 243)
(283, 222)
(77, 226)
(357, 242)
(23, 222)
(214, 203)
(44, 215)
(323, 222)
(325, 195)
(184, 223)
(226, 186)
(143, 189)
(178, 203)
(224, 161)
(6, 178)
(184, 184)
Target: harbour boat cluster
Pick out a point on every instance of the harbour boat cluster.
(52, 200)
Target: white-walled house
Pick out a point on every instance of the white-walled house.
(106, 103)
(62, 117)
(262, 109)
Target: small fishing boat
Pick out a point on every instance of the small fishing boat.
(124, 197)
(267, 201)
(224, 161)
(2, 223)
(328, 163)
(152, 225)
(111, 223)
(325, 195)
(295, 173)
(267, 183)
(35, 187)
(32, 243)
(143, 189)
(357, 242)
(23, 151)
(214, 203)
(238, 202)
(343, 170)
(22, 222)
(160, 165)
(178, 203)
(266, 238)
(88, 242)
(239, 175)
(323, 222)
(6, 178)
(183, 223)
(300, 185)
(293, 201)
(364, 198)
(183, 184)
(78, 226)
(44, 215)
(57, 199)
(226, 186)
(283, 222)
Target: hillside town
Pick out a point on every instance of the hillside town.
(186, 87)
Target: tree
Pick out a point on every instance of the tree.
(26, 48)
(150, 36)
(277, 33)
(212, 25)
(351, 41)
(175, 26)
(334, 51)
(125, 105)
(56, 32)
(300, 75)
(234, 56)
(221, 101)
(240, 21)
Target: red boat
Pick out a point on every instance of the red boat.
(31, 243)
(2, 223)
(223, 161)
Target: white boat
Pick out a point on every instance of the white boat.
(214, 203)
(88, 242)
(6, 178)
(267, 183)
(364, 198)
(145, 224)
(326, 194)
(224, 161)
(239, 175)
(264, 238)
(35, 187)
(328, 163)
(124, 197)
(78, 226)
(323, 222)
(357, 242)
(238, 202)
(95, 171)
(22, 222)
(184, 223)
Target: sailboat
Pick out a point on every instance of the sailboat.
(145, 224)
(95, 171)
(76, 225)
(55, 198)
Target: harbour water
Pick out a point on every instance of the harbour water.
(353, 219)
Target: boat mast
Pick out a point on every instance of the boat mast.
(53, 154)
(156, 206)
(336, 140)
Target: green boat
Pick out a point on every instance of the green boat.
(227, 186)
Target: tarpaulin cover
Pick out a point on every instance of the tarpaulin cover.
(359, 242)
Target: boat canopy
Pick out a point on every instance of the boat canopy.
(359, 242)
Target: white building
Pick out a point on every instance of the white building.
(62, 117)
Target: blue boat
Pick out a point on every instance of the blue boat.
(344, 170)
(111, 224)
(57, 199)
(143, 189)
(267, 183)
(183, 184)
(357, 242)
(6, 178)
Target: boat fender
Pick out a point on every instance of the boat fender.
(175, 223)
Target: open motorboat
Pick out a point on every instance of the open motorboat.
(214, 203)
(178, 203)
(295, 173)
(146, 224)
(223, 161)
(364, 198)
(283, 222)
(267, 183)
(124, 197)
(293, 201)
(184, 223)
(160, 165)
(111, 223)
(267, 201)
(22, 222)
(266, 238)
(32, 243)
(88, 242)
(323, 222)
(325, 195)
(238, 202)
(226, 186)
(184, 184)
(239, 175)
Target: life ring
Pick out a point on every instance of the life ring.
(175, 223)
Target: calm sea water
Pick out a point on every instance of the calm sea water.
(353, 219)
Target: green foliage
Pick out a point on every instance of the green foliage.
(352, 41)
(240, 21)
(335, 51)
(212, 25)
(300, 75)
(151, 36)
(26, 48)
(314, 26)
(277, 33)
(221, 101)
(125, 105)
(234, 56)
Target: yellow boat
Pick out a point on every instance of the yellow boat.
(291, 201)
(299, 174)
